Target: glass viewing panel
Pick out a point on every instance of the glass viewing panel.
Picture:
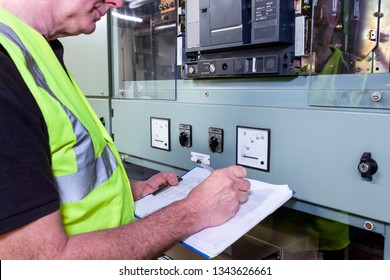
(350, 37)
(143, 50)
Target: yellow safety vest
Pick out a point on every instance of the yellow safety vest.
(92, 183)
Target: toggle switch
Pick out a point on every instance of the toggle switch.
(367, 166)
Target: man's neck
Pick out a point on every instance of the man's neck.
(29, 11)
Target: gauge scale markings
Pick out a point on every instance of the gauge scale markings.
(253, 147)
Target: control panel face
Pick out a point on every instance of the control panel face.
(253, 147)
(266, 63)
(276, 37)
(255, 39)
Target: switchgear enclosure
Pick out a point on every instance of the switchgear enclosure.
(321, 124)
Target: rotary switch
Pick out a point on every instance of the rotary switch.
(216, 139)
(214, 143)
(367, 166)
(183, 138)
(185, 135)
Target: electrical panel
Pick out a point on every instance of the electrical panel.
(274, 37)
(249, 67)
(255, 38)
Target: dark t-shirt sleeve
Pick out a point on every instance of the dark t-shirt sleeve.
(27, 186)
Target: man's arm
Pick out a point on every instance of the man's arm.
(212, 203)
(144, 239)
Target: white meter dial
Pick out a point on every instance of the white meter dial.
(160, 133)
(253, 147)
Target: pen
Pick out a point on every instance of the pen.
(205, 166)
(164, 187)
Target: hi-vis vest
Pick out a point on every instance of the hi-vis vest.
(91, 180)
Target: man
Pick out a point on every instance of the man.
(64, 191)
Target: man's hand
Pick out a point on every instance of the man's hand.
(142, 188)
(218, 197)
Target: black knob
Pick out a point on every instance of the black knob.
(183, 138)
(213, 143)
(367, 166)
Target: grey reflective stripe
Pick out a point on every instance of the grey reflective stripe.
(91, 172)
(88, 179)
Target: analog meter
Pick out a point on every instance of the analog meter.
(253, 147)
(160, 133)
